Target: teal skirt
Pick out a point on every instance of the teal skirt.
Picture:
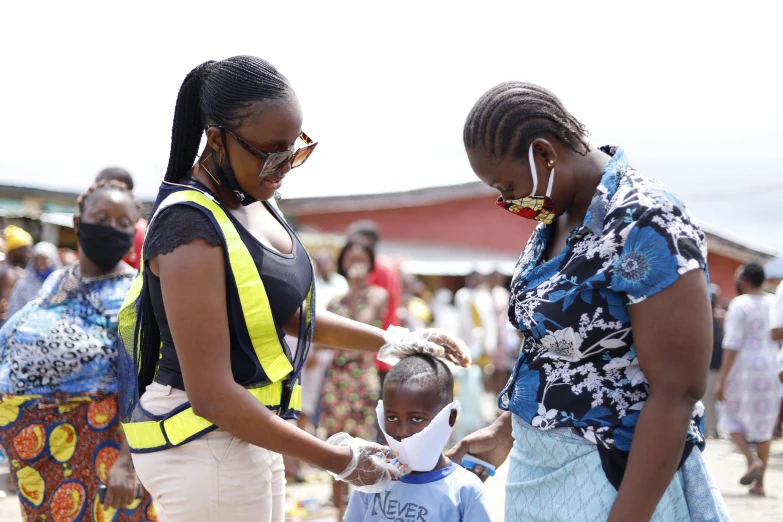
(557, 476)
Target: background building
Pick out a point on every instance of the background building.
(446, 232)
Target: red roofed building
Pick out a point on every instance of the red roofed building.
(449, 231)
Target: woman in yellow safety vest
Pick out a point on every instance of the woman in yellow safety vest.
(206, 377)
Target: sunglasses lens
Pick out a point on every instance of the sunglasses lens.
(302, 155)
(275, 163)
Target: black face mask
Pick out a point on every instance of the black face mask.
(104, 245)
(226, 175)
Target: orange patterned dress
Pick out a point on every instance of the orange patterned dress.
(59, 423)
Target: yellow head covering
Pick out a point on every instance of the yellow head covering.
(15, 238)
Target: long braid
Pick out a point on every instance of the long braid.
(188, 125)
(508, 116)
(218, 92)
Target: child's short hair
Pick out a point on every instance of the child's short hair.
(425, 372)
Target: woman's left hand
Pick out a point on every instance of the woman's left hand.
(122, 485)
(720, 392)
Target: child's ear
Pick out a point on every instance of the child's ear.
(453, 418)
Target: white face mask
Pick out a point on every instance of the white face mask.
(420, 452)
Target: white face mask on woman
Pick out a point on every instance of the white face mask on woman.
(421, 451)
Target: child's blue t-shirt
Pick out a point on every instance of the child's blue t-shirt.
(451, 494)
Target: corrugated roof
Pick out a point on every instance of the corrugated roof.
(409, 198)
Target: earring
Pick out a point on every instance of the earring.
(220, 156)
(550, 164)
(208, 172)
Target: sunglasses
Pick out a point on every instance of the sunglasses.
(273, 162)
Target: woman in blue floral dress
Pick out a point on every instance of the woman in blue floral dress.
(603, 419)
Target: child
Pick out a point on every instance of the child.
(415, 391)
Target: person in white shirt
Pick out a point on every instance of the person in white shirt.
(749, 391)
(776, 332)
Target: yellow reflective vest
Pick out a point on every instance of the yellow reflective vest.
(276, 384)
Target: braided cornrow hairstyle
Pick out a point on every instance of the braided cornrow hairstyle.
(218, 92)
(510, 115)
(423, 371)
(103, 186)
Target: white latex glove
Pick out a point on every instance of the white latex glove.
(435, 342)
(371, 469)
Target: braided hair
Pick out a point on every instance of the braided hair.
(510, 115)
(104, 186)
(218, 92)
(423, 371)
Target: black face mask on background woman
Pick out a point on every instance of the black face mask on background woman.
(104, 245)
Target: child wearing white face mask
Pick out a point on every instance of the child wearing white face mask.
(417, 415)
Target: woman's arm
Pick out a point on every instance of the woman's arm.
(197, 316)
(673, 337)
(727, 363)
(491, 444)
(336, 331)
(733, 339)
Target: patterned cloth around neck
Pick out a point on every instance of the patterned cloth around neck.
(65, 341)
(578, 367)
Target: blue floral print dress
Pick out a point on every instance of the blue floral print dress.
(578, 368)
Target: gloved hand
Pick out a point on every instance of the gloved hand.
(371, 469)
(435, 342)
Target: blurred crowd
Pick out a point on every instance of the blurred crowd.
(341, 388)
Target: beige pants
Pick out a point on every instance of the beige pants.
(215, 478)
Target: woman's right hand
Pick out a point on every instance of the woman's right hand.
(720, 391)
(369, 466)
(491, 444)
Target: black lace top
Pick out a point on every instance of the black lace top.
(286, 279)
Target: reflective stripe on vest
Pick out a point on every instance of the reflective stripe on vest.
(185, 425)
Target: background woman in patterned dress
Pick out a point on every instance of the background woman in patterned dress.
(58, 378)
(351, 388)
(748, 386)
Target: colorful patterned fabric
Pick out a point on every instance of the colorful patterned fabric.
(530, 207)
(58, 398)
(61, 450)
(65, 341)
(556, 476)
(351, 388)
(578, 367)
